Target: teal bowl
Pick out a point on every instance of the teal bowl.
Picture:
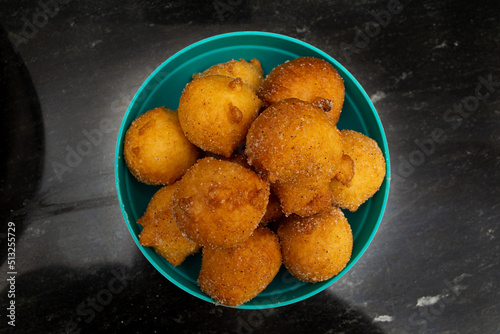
(164, 87)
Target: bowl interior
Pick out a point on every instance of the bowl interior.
(164, 88)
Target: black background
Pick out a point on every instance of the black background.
(433, 266)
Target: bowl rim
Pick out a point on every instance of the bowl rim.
(345, 72)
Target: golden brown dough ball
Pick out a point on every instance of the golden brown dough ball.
(293, 137)
(233, 276)
(296, 146)
(306, 78)
(160, 230)
(219, 203)
(273, 210)
(250, 72)
(318, 247)
(369, 171)
(216, 111)
(155, 148)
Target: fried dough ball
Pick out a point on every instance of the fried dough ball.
(219, 203)
(273, 210)
(309, 79)
(318, 247)
(233, 276)
(160, 230)
(293, 137)
(155, 148)
(369, 171)
(296, 146)
(216, 111)
(250, 72)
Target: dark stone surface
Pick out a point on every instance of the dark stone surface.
(433, 266)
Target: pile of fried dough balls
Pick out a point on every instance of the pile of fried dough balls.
(254, 172)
